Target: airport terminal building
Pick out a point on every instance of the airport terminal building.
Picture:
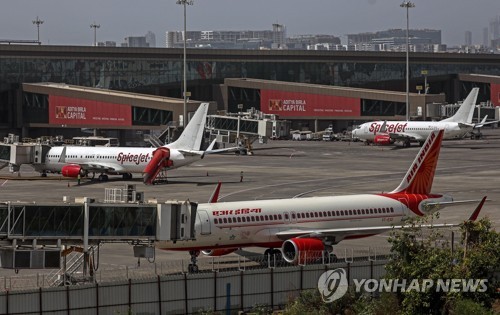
(309, 87)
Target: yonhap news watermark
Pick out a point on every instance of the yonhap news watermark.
(333, 284)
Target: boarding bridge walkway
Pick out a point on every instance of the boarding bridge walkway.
(98, 221)
(33, 235)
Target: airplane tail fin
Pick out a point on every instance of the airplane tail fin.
(420, 175)
(192, 136)
(466, 111)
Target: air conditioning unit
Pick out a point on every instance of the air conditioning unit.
(138, 197)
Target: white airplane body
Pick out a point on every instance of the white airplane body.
(73, 161)
(304, 227)
(112, 160)
(266, 223)
(456, 126)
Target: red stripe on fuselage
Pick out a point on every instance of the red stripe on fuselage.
(411, 201)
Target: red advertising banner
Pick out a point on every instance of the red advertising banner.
(291, 104)
(495, 94)
(74, 111)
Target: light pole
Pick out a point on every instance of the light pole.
(184, 92)
(95, 27)
(38, 22)
(407, 5)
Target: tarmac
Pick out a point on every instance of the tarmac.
(467, 170)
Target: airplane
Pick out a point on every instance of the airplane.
(304, 228)
(74, 161)
(406, 131)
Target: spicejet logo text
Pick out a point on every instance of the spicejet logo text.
(397, 127)
(132, 158)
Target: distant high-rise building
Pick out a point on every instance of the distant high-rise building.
(495, 28)
(486, 41)
(353, 39)
(248, 39)
(468, 38)
(107, 43)
(279, 34)
(136, 41)
(173, 38)
(431, 36)
(151, 39)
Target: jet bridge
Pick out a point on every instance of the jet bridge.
(32, 235)
(251, 124)
(14, 154)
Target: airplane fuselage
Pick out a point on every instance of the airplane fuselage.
(121, 159)
(419, 130)
(259, 223)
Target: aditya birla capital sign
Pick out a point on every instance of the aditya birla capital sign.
(290, 104)
(74, 111)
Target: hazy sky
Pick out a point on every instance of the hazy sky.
(67, 22)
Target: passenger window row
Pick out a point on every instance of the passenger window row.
(304, 215)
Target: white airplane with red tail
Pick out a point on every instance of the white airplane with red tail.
(406, 131)
(305, 227)
(72, 161)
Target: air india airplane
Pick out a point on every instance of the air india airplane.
(406, 131)
(304, 227)
(72, 161)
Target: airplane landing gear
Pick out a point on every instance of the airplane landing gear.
(193, 267)
(127, 176)
(103, 178)
(272, 257)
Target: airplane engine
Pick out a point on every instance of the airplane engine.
(218, 251)
(382, 139)
(160, 160)
(72, 170)
(302, 250)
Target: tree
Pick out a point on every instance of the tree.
(421, 256)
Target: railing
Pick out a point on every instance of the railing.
(176, 267)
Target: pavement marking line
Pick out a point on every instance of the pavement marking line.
(4, 182)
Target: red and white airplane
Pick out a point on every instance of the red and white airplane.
(304, 227)
(72, 161)
(406, 131)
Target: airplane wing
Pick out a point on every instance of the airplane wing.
(210, 149)
(483, 122)
(478, 125)
(340, 233)
(101, 167)
(405, 135)
(191, 152)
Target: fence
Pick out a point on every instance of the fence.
(206, 264)
(237, 290)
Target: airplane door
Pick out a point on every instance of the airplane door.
(204, 222)
(293, 217)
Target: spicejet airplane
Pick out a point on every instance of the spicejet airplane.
(456, 126)
(72, 161)
(304, 227)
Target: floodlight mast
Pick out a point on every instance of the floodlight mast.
(407, 5)
(184, 92)
(38, 22)
(95, 27)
